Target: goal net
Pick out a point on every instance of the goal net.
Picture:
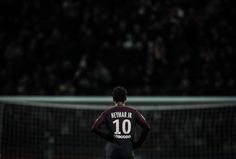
(60, 128)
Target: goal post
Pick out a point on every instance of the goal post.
(131, 99)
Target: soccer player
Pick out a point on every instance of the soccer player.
(117, 125)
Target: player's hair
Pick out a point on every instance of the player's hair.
(119, 94)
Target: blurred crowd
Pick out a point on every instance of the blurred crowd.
(86, 47)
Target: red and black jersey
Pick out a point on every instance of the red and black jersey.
(120, 122)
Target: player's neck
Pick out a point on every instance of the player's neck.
(120, 104)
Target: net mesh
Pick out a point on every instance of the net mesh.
(46, 131)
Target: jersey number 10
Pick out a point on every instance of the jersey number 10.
(126, 126)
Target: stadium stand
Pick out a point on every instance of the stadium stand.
(68, 47)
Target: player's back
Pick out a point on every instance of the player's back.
(121, 121)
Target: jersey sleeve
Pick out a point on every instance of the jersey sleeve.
(97, 128)
(145, 129)
(99, 121)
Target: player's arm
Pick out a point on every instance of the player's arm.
(97, 128)
(145, 129)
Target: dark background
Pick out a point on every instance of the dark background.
(86, 47)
